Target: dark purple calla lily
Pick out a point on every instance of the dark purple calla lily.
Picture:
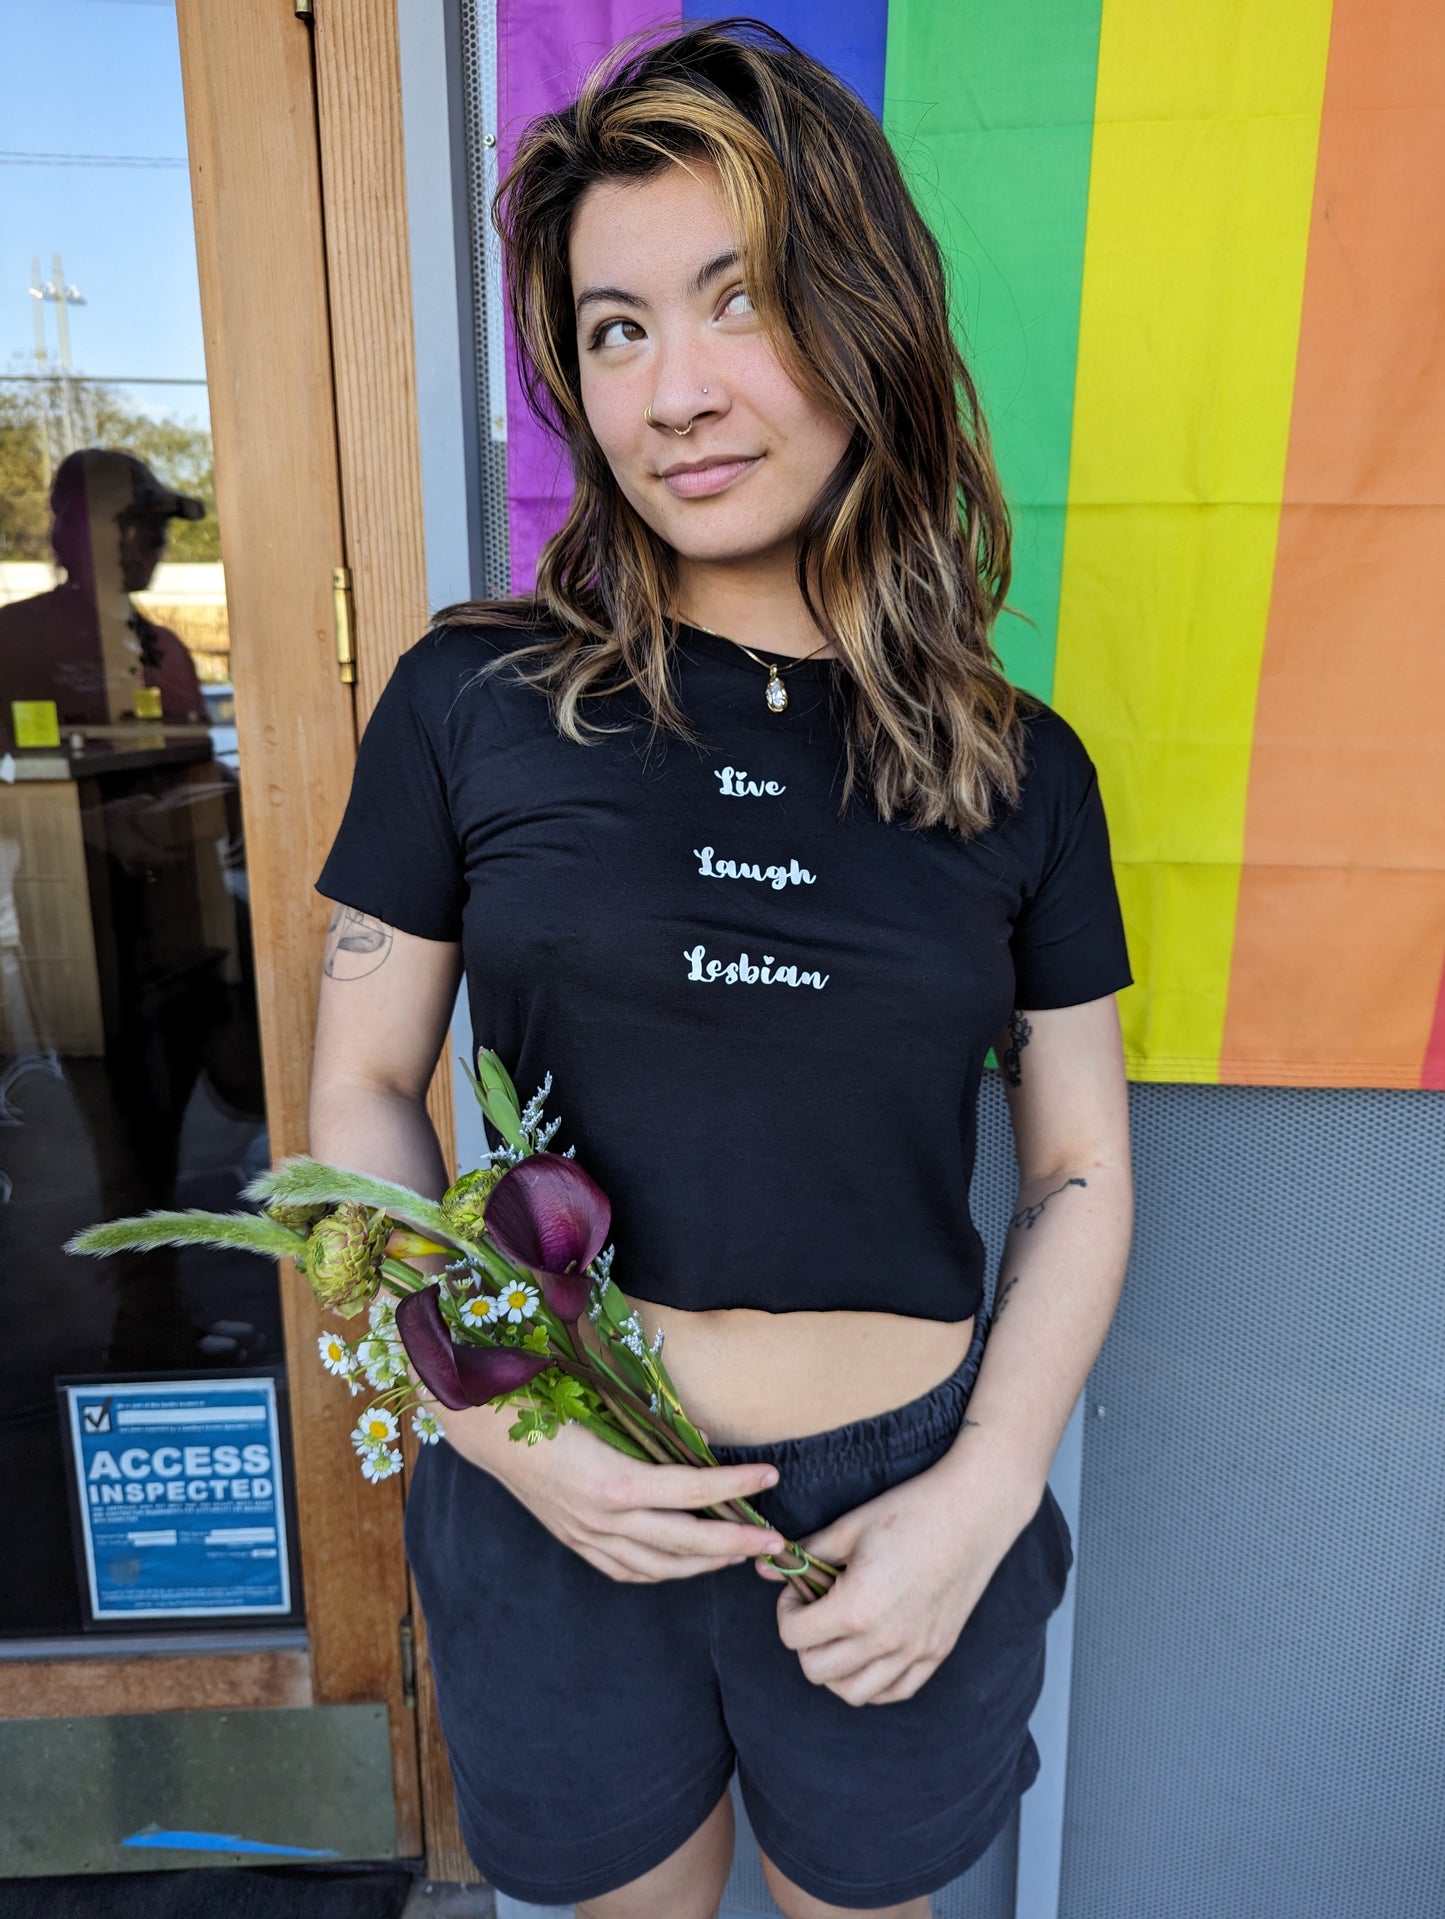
(547, 1214)
(459, 1375)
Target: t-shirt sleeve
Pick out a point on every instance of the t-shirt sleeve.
(1068, 939)
(396, 855)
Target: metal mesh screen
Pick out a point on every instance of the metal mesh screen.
(1258, 1712)
(479, 92)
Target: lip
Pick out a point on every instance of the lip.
(695, 479)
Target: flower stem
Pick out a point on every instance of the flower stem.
(652, 1445)
(597, 1358)
(812, 1575)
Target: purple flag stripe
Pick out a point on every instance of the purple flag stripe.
(543, 49)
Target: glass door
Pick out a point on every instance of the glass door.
(130, 1053)
(205, 1622)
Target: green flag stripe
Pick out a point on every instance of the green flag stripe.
(990, 108)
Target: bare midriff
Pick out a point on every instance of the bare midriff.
(748, 1377)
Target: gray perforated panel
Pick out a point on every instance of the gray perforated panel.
(1258, 1713)
(479, 82)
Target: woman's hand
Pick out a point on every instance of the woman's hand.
(916, 1561)
(629, 1518)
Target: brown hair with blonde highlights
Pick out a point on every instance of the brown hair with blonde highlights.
(903, 558)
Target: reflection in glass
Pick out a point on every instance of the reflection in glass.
(130, 1070)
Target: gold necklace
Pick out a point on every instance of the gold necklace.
(775, 694)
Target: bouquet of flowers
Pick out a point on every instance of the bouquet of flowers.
(522, 1237)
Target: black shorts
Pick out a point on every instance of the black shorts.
(593, 1724)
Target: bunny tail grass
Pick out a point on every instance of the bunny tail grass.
(146, 1231)
(303, 1181)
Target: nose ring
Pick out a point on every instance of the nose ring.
(681, 431)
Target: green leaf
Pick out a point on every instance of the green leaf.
(537, 1419)
(528, 1428)
(620, 1364)
(604, 1429)
(495, 1078)
(571, 1398)
(496, 1095)
(689, 1434)
(615, 1309)
(251, 1232)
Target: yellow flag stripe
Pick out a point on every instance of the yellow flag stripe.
(1206, 127)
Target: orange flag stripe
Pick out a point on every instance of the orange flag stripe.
(1336, 974)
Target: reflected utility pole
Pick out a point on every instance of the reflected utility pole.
(42, 358)
(64, 296)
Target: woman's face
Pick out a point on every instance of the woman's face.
(662, 313)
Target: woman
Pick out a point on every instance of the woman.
(738, 830)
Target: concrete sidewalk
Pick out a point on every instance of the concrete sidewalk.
(430, 1900)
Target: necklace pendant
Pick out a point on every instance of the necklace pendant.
(775, 693)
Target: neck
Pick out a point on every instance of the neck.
(758, 604)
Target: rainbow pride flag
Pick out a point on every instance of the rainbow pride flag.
(1199, 272)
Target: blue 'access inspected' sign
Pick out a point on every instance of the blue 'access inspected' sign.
(180, 1498)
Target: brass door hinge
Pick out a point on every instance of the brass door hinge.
(408, 1661)
(342, 609)
(305, 10)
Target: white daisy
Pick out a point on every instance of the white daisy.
(376, 1427)
(424, 1425)
(336, 1356)
(382, 1360)
(380, 1462)
(477, 1311)
(516, 1301)
(381, 1316)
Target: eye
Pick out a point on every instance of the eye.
(599, 337)
(740, 293)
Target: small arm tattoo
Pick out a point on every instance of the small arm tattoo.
(1026, 1216)
(1020, 1032)
(356, 944)
(1002, 1300)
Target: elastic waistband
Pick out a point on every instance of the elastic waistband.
(921, 1425)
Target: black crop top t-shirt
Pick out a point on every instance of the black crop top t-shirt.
(766, 1026)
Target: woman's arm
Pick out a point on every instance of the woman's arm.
(382, 1014)
(920, 1556)
(385, 1004)
(1062, 1268)
(383, 1010)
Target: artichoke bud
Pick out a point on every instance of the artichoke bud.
(464, 1205)
(342, 1258)
(297, 1219)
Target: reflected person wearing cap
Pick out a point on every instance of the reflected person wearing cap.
(83, 645)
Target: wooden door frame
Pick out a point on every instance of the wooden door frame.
(296, 162)
(363, 173)
(329, 212)
(266, 259)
